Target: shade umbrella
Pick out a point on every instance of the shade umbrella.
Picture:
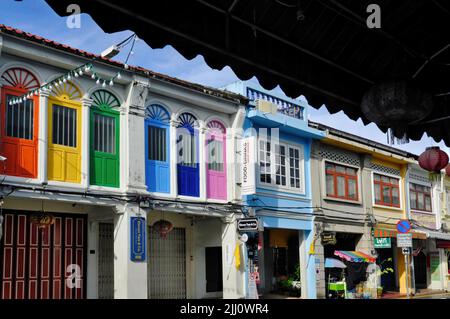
(334, 263)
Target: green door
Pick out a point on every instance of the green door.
(104, 144)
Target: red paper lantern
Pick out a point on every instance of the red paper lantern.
(433, 159)
(163, 227)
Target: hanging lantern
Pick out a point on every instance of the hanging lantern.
(163, 227)
(395, 105)
(433, 159)
(42, 220)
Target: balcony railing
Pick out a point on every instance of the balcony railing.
(283, 107)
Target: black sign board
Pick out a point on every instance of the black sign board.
(247, 224)
(328, 238)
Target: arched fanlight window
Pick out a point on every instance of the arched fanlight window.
(187, 148)
(105, 134)
(104, 100)
(216, 181)
(20, 78)
(20, 121)
(157, 149)
(157, 113)
(66, 91)
(187, 120)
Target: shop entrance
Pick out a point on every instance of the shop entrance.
(46, 263)
(385, 260)
(282, 261)
(213, 265)
(105, 261)
(167, 264)
(420, 270)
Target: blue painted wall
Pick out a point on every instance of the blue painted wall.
(297, 132)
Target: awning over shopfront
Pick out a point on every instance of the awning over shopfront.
(390, 231)
(436, 234)
(443, 244)
(354, 256)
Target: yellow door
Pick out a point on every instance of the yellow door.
(64, 140)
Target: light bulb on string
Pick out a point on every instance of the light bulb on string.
(126, 66)
(111, 83)
(104, 84)
(76, 74)
(118, 75)
(80, 72)
(93, 76)
(56, 84)
(65, 80)
(69, 77)
(98, 81)
(86, 68)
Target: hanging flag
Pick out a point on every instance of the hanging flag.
(237, 255)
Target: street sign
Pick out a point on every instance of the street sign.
(403, 226)
(404, 240)
(138, 238)
(382, 242)
(247, 224)
(406, 251)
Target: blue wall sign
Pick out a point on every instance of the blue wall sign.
(138, 238)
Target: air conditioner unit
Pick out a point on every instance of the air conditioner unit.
(266, 106)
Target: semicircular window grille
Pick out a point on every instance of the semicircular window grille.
(156, 112)
(66, 91)
(105, 100)
(187, 120)
(216, 127)
(20, 78)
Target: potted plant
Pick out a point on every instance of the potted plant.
(379, 292)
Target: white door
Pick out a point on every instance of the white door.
(167, 265)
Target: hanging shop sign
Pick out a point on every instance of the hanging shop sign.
(248, 166)
(138, 238)
(328, 238)
(247, 224)
(404, 240)
(382, 242)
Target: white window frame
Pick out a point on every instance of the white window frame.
(273, 184)
(324, 179)
(400, 190)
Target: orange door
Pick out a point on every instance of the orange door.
(19, 133)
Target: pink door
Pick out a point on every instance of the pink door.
(216, 171)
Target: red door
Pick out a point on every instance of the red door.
(19, 124)
(44, 263)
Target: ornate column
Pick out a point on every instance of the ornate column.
(130, 277)
(173, 156)
(202, 158)
(43, 136)
(135, 166)
(233, 277)
(85, 141)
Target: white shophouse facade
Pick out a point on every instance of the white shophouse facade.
(204, 237)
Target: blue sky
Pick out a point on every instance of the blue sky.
(36, 17)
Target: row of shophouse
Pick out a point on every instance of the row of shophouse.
(132, 187)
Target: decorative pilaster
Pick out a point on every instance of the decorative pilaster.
(85, 141)
(135, 166)
(173, 156)
(43, 136)
(202, 158)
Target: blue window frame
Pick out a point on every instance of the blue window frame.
(187, 156)
(157, 150)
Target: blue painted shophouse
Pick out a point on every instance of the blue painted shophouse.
(277, 188)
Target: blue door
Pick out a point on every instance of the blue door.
(187, 164)
(157, 154)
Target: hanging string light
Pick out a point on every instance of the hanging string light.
(79, 71)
